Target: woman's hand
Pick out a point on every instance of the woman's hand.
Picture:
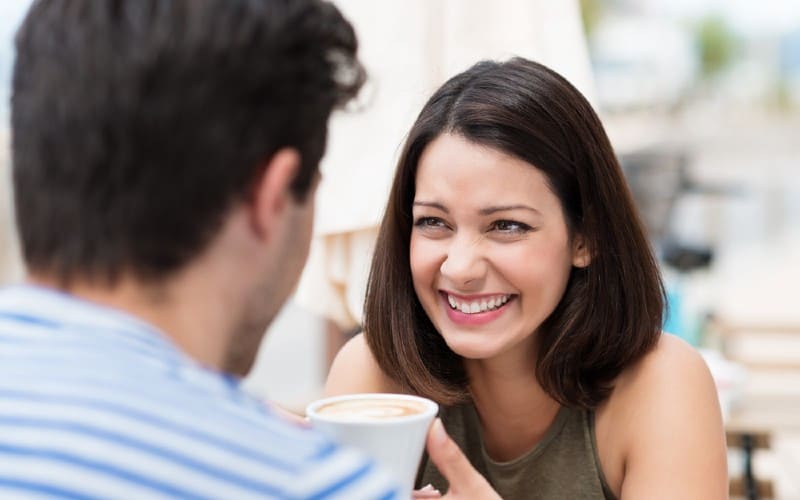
(427, 492)
(288, 415)
(465, 482)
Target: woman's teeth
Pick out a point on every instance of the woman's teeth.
(477, 306)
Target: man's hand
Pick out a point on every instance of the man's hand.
(465, 482)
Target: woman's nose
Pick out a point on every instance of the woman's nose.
(464, 265)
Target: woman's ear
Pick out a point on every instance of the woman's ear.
(581, 253)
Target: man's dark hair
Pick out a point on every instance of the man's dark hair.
(610, 313)
(138, 123)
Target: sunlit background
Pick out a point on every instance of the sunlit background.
(701, 99)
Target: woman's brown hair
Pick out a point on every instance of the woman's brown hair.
(611, 312)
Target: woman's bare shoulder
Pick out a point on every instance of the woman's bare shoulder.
(355, 370)
(671, 360)
(666, 381)
(665, 413)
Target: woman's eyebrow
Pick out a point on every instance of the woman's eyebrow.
(503, 208)
(484, 211)
(431, 204)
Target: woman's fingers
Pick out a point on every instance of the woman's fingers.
(427, 492)
(465, 481)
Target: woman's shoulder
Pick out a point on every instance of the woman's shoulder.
(672, 369)
(355, 370)
(663, 415)
(664, 383)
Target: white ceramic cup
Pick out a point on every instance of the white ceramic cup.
(380, 425)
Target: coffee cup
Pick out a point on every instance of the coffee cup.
(390, 428)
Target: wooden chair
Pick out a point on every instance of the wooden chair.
(747, 486)
(754, 434)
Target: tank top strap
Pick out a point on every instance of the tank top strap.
(589, 423)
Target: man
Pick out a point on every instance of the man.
(165, 160)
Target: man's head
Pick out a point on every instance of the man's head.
(137, 124)
(148, 134)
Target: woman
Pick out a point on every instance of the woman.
(513, 283)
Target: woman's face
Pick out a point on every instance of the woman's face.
(490, 252)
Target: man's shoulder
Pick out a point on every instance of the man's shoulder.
(99, 412)
(150, 438)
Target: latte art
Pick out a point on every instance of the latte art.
(390, 428)
(371, 409)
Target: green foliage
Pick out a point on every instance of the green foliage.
(590, 14)
(716, 44)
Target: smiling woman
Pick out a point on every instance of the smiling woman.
(475, 262)
(513, 283)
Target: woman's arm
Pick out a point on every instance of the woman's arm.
(355, 370)
(672, 424)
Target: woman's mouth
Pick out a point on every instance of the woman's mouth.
(480, 305)
(475, 310)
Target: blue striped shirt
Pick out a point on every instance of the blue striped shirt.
(97, 404)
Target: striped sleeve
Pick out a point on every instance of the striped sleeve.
(339, 473)
(94, 405)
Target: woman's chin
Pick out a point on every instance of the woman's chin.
(475, 348)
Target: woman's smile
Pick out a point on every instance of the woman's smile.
(475, 309)
(490, 254)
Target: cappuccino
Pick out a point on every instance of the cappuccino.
(371, 409)
(391, 428)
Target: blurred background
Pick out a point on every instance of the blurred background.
(701, 99)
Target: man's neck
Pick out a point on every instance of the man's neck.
(182, 309)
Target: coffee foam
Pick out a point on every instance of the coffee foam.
(371, 409)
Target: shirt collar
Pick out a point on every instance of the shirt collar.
(60, 309)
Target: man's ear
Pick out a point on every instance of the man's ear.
(581, 253)
(272, 190)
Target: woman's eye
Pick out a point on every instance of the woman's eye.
(433, 222)
(510, 226)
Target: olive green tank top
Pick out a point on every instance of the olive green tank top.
(563, 465)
